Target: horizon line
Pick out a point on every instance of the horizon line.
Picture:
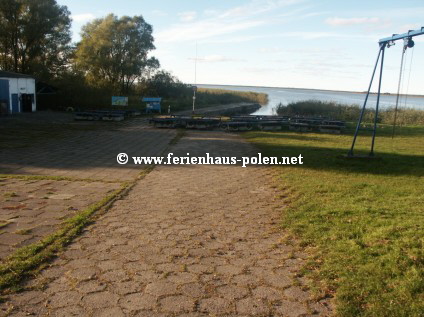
(331, 90)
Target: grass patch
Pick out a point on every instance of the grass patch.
(10, 194)
(180, 134)
(206, 97)
(24, 231)
(405, 116)
(4, 224)
(364, 218)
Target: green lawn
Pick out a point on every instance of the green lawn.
(364, 219)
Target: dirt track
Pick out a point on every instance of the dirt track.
(186, 241)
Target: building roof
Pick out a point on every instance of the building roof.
(4, 74)
(46, 89)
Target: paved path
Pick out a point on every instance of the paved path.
(186, 241)
(89, 154)
(84, 153)
(33, 209)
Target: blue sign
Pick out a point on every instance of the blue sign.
(152, 104)
(119, 101)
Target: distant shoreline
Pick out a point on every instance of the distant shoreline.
(314, 89)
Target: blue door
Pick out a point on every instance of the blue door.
(4, 96)
(15, 103)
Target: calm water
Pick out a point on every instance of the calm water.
(287, 95)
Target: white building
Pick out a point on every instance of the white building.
(17, 93)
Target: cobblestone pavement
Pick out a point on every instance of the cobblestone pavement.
(32, 209)
(186, 241)
(89, 154)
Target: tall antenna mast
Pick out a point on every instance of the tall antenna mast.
(195, 79)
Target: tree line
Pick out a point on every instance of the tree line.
(112, 57)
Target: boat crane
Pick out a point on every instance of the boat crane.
(383, 43)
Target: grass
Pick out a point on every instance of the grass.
(206, 97)
(4, 224)
(405, 116)
(224, 96)
(179, 97)
(24, 231)
(9, 194)
(27, 260)
(363, 219)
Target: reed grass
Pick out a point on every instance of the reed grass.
(405, 116)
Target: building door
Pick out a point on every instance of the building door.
(4, 96)
(26, 102)
(15, 103)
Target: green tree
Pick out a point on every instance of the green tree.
(34, 37)
(162, 83)
(114, 51)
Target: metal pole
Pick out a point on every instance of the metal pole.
(378, 102)
(350, 153)
(195, 79)
(194, 98)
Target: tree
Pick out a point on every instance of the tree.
(162, 83)
(34, 36)
(114, 51)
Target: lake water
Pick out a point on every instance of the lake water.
(287, 95)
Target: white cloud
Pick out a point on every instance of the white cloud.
(311, 35)
(412, 26)
(216, 59)
(259, 70)
(352, 21)
(306, 35)
(217, 23)
(314, 14)
(83, 17)
(202, 29)
(270, 50)
(187, 16)
(210, 12)
(256, 7)
(400, 12)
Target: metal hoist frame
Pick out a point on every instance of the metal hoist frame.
(383, 43)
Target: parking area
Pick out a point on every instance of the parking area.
(65, 169)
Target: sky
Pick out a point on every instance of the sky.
(325, 44)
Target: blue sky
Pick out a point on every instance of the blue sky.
(284, 43)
